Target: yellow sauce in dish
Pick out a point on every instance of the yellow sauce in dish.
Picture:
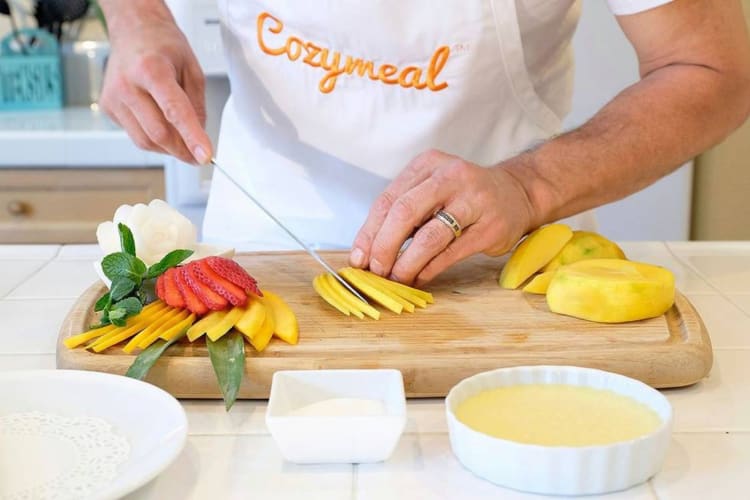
(557, 415)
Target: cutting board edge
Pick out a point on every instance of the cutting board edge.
(695, 355)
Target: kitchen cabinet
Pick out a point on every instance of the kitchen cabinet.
(65, 205)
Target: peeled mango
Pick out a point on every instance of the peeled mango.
(582, 246)
(611, 290)
(533, 253)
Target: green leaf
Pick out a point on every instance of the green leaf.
(146, 359)
(127, 242)
(228, 359)
(120, 265)
(172, 259)
(121, 287)
(131, 306)
(147, 291)
(117, 316)
(103, 302)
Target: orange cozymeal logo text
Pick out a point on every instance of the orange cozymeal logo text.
(331, 61)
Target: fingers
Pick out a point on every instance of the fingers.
(126, 120)
(160, 81)
(459, 249)
(406, 213)
(194, 83)
(153, 124)
(431, 240)
(415, 173)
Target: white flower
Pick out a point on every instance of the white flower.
(157, 230)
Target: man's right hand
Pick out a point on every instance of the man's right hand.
(154, 87)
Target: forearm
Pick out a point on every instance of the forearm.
(122, 16)
(643, 134)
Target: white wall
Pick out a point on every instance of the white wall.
(605, 64)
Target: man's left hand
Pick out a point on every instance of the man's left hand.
(490, 205)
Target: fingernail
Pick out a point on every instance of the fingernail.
(357, 258)
(200, 155)
(376, 267)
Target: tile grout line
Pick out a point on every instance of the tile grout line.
(34, 273)
(652, 488)
(705, 279)
(691, 268)
(355, 481)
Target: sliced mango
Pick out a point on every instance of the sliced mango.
(202, 326)
(286, 327)
(582, 246)
(162, 321)
(216, 331)
(611, 290)
(75, 340)
(133, 325)
(252, 318)
(533, 253)
(351, 301)
(263, 336)
(414, 295)
(174, 330)
(167, 326)
(376, 294)
(367, 276)
(321, 286)
(539, 283)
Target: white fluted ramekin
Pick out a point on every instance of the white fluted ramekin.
(559, 470)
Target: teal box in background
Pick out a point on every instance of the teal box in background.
(30, 74)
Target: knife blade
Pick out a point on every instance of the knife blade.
(288, 231)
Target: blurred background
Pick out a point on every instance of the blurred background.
(64, 166)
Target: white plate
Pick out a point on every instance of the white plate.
(74, 417)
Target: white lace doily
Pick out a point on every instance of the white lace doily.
(49, 456)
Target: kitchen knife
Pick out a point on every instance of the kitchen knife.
(288, 231)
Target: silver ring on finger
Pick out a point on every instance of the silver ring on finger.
(449, 220)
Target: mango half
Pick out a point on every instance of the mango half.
(585, 245)
(611, 290)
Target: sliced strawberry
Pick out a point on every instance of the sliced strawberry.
(160, 288)
(234, 294)
(172, 295)
(192, 302)
(230, 270)
(213, 300)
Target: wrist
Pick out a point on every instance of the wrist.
(539, 193)
(125, 16)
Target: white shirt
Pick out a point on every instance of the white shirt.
(316, 139)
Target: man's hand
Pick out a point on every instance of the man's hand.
(489, 203)
(154, 86)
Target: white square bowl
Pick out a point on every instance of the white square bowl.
(336, 439)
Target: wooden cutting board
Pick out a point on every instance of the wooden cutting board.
(473, 326)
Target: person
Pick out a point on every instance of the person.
(367, 125)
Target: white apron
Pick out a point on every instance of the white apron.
(331, 100)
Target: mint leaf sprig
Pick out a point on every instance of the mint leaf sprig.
(132, 281)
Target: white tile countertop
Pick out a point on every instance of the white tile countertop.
(72, 137)
(232, 455)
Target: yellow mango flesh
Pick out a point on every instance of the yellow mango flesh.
(611, 290)
(218, 330)
(366, 287)
(252, 319)
(286, 327)
(582, 246)
(347, 298)
(533, 253)
(263, 336)
(321, 285)
(540, 283)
